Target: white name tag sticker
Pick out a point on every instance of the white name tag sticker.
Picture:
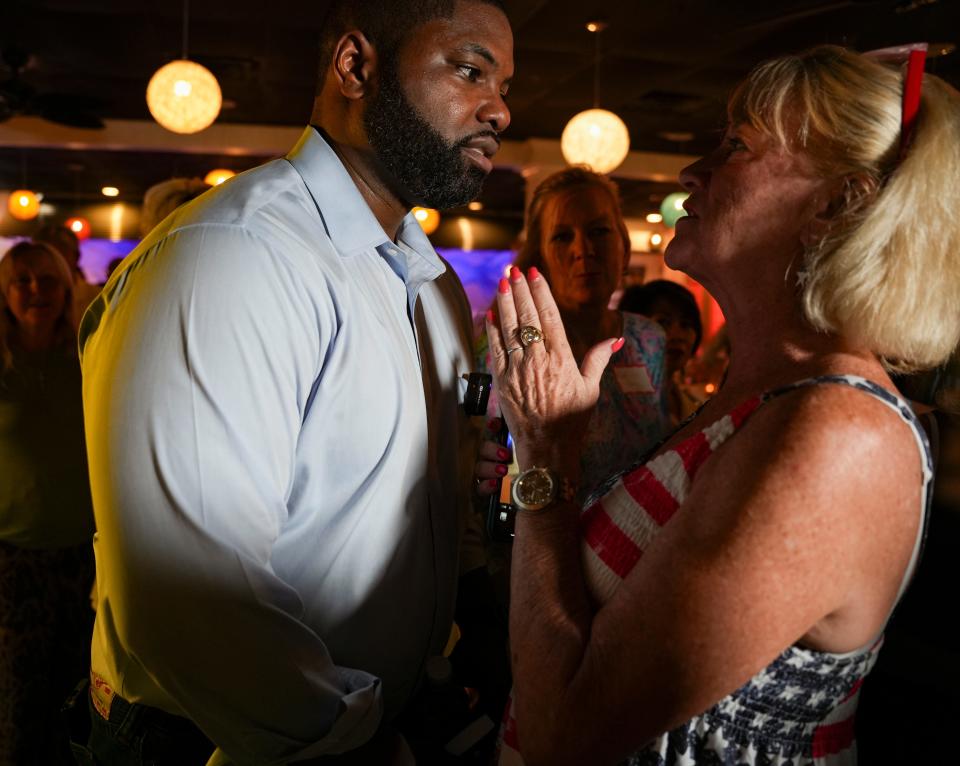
(633, 379)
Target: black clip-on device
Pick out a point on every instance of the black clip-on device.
(499, 516)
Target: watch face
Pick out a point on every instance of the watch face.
(534, 489)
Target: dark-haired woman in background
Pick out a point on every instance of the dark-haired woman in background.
(674, 308)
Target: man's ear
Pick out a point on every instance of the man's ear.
(354, 62)
(835, 203)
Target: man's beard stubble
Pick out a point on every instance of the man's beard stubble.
(424, 168)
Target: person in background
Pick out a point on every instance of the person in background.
(66, 243)
(46, 519)
(163, 198)
(575, 234)
(278, 449)
(723, 602)
(673, 307)
(577, 239)
(159, 201)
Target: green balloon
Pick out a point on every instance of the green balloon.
(672, 208)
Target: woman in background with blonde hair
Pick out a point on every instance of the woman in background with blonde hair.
(46, 518)
(723, 602)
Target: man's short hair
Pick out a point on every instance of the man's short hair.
(386, 23)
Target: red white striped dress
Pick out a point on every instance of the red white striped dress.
(799, 710)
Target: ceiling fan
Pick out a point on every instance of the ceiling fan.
(18, 97)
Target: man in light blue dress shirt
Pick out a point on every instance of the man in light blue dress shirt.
(272, 398)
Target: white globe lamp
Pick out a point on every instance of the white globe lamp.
(596, 138)
(184, 97)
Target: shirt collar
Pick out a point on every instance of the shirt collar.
(350, 224)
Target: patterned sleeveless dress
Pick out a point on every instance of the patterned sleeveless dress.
(800, 709)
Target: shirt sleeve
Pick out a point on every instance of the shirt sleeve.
(199, 363)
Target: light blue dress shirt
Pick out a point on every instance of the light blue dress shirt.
(278, 457)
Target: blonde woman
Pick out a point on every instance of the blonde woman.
(723, 602)
(46, 519)
(578, 240)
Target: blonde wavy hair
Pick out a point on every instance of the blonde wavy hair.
(887, 274)
(65, 332)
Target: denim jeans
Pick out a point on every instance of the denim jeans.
(135, 735)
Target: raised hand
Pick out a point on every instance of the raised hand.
(545, 397)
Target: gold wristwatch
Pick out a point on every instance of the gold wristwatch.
(535, 489)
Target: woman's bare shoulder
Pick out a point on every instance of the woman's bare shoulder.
(830, 465)
(837, 422)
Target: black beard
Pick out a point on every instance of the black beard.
(423, 167)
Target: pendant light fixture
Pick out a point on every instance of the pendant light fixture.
(218, 176)
(183, 96)
(671, 209)
(428, 218)
(79, 226)
(596, 137)
(23, 205)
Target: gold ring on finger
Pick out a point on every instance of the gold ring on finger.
(530, 335)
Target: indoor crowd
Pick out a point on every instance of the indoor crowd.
(249, 515)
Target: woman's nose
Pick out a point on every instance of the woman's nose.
(581, 246)
(694, 175)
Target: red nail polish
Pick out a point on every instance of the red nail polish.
(490, 316)
(502, 470)
(515, 274)
(618, 344)
(493, 424)
(504, 287)
(493, 483)
(503, 454)
(533, 273)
